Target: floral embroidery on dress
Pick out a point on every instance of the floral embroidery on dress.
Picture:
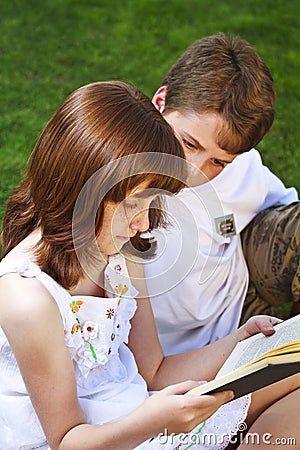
(75, 305)
(121, 289)
(89, 331)
(118, 268)
(98, 326)
(110, 313)
(75, 328)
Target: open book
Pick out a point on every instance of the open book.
(258, 361)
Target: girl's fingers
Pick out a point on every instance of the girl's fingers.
(183, 387)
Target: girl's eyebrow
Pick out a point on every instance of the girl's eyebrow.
(144, 193)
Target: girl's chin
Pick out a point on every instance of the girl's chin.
(115, 247)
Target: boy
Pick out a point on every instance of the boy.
(219, 98)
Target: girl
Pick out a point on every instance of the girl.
(68, 379)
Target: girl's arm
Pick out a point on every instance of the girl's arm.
(200, 364)
(32, 323)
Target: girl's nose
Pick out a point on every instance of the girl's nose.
(140, 222)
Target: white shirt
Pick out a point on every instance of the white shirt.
(198, 280)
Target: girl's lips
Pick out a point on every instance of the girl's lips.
(124, 238)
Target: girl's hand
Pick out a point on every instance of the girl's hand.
(173, 410)
(259, 324)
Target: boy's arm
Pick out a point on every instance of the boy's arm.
(277, 193)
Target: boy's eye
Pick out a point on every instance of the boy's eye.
(188, 144)
(218, 163)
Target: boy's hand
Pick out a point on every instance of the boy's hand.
(259, 324)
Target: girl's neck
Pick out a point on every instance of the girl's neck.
(92, 287)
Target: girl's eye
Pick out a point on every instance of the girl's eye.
(218, 163)
(188, 144)
(130, 206)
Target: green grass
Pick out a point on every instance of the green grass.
(49, 48)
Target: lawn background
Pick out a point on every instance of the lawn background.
(49, 48)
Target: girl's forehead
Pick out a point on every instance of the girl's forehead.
(144, 190)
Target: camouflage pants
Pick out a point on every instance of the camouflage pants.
(271, 245)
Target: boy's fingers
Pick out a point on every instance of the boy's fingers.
(268, 326)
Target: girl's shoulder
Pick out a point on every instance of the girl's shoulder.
(23, 297)
(18, 277)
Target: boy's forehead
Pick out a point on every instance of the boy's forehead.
(200, 126)
(211, 119)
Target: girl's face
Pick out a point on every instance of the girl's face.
(122, 221)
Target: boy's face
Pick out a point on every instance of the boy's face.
(199, 136)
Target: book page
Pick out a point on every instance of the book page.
(253, 347)
(290, 348)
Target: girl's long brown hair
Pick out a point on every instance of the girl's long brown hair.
(97, 124)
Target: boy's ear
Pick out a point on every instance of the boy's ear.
(159, 98)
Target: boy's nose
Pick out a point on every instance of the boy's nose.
(198, 160)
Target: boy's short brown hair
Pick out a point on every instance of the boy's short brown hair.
(223, 74)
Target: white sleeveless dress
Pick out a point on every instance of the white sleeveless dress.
(108, 383)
